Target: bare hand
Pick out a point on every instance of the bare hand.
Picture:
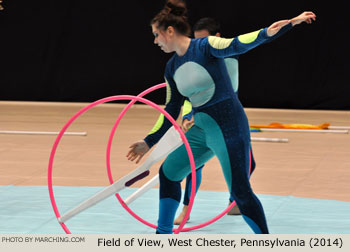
(187, 124)
(138, 150)
(307, 16)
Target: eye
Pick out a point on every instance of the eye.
(155, 34)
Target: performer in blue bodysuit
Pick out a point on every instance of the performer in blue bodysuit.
(197, 71)
(203, 28)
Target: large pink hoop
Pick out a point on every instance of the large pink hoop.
(121, 201)
(114, 98)
(108, 163)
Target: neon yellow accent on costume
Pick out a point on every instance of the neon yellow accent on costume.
(187, 108)
(168, 92)
(219, 43)
(249, 37)
(160, 120)
(158, 124)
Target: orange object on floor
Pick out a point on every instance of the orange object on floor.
(277, 125)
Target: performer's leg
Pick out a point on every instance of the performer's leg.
(227, 134)
(252, 160)
(188, 187)
(235, 209)
(174, 169)
(169, 198)
(187, 194)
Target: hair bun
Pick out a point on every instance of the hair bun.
(176, 7)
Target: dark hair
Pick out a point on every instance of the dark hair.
(173, 14)
(209, 24)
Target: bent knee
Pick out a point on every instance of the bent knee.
(174, 172)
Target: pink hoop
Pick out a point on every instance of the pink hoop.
(114, 98)
(108, 163)
(121, 201)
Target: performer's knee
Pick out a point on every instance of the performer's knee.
(168, 188)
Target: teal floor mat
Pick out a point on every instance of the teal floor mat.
(27, 210)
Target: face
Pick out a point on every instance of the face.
(163, 38)
(203, 33)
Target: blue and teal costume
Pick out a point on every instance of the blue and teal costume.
(221, 126)
(232, 69)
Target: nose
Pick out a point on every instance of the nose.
(155, 41)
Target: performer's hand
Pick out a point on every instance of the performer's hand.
(275, 27)
(138, 150)
(307, 16)
(187, 124)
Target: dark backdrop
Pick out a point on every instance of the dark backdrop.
(74, 50)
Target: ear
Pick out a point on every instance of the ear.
(170, 30)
